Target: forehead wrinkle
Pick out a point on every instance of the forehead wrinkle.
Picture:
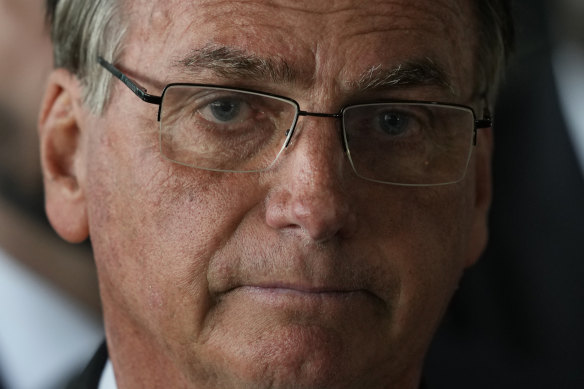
(423, 72)
(235, 63)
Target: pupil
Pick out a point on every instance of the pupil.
(393, 123)
(225, 110)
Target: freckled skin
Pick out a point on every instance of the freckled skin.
(180, 251)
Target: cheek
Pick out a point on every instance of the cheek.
(154, 226)
(423, 236)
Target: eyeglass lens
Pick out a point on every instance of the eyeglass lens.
(231, 130)
(409, 143)
(223, 129)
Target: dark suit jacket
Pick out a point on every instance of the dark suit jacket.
(517, 320)
(89, 378)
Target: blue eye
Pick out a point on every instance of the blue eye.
(225, 110)
(393, 123)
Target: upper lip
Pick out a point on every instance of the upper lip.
(300, 270)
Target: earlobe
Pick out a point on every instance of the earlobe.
(62, 156)
(482, 195)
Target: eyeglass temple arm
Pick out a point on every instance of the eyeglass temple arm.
(134, 86)
(485, 122)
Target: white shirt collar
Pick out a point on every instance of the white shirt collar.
(108, 379)
(44, 336)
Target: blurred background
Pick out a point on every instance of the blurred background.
(49, 308)
(517, 320)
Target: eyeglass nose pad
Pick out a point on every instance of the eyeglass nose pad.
(290, 131)
(289, 134)
(343, 135)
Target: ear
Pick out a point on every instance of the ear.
(482, 195)
(62, 156)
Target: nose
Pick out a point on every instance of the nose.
(311, 194)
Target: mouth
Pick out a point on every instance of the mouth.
(299, 289)
(304, 297)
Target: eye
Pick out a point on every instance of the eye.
(226, 110)
(393, 123)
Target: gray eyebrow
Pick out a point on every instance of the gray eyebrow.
(233, 63)
(423, 72)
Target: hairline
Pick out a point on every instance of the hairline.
(489, 41)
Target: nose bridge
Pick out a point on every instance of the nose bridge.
(318, 142)
(315, 173)
(320, 120)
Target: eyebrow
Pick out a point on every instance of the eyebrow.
(233, 63)
(421, 72)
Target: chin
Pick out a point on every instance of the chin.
(296, 356)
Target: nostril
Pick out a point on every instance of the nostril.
(319, 211)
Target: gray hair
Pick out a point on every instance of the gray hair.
(83, 30)
(495, 43)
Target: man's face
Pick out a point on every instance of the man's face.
(301, 276)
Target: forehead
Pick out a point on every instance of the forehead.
(339, 39)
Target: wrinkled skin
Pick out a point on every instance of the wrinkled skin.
(304, 276)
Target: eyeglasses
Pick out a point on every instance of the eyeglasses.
(411, 143)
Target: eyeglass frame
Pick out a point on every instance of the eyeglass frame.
(141, 92)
